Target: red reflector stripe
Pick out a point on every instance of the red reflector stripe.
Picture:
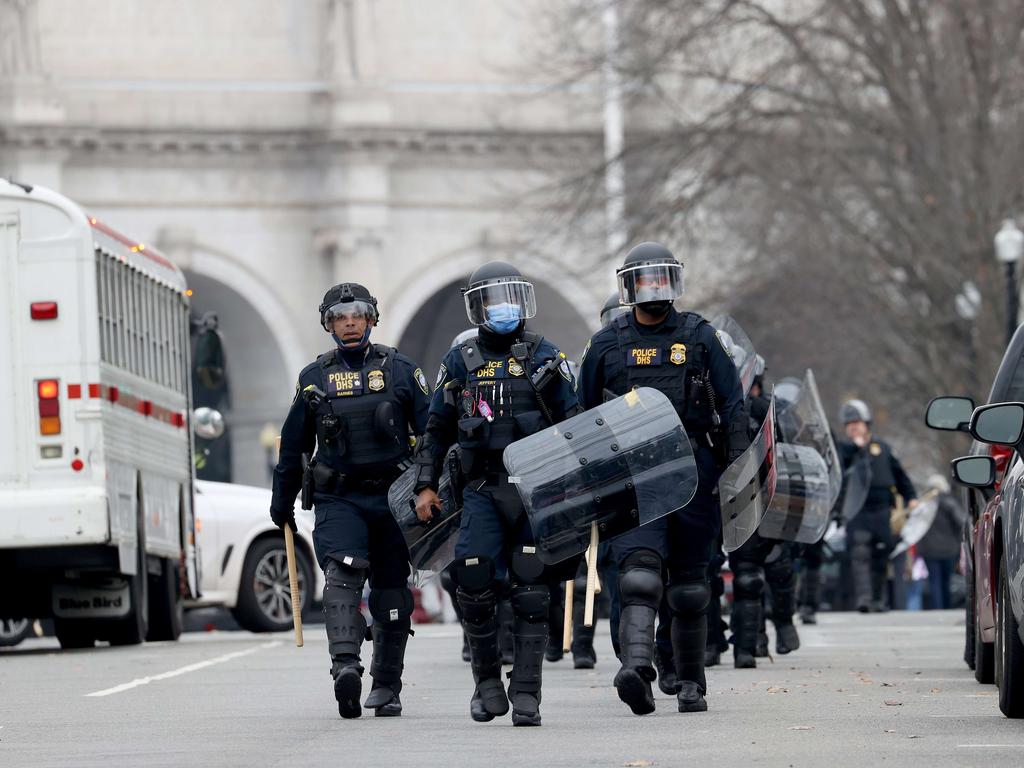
(94, 390)
(49, 408)
(44, 310)
(138, 405)
(74, 391)
(112, 394)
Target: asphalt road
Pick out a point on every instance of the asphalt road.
(862, 690)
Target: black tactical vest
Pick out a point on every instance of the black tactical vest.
(675, 364)
(362, 426)
(497, 404)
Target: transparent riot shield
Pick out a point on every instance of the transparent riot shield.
(620, 465)
(431, 545)
(802, 421)
(856, 484)
(800, 509)
(747, 486)
(918, 524)
(741, 348)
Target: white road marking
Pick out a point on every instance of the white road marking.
(181, 670)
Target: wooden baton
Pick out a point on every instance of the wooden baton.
(588, 606)
(293, 575)
(567, 622)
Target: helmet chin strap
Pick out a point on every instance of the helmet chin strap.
(353, 345)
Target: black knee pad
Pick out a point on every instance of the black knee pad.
(473, 574)
(779, 571)
(689, 597)
(531, 601)
(346, 572)
(526, 567)
(477, 607)
(748, 584)
(641, 584)
(447, 581)
(393, 604)
(642, 558)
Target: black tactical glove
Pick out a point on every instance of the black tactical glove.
(282, 517)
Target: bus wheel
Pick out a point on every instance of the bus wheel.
(166, 612)
(131, 630)
(74, 633)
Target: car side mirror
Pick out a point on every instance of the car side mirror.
(1000, 423)
(975, 471)
(949, 413)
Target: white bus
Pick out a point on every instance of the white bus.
(96, 481)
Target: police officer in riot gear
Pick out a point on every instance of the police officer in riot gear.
(761, 562)
(358, 406)
(505, 384)
(869, 535)
(681, 355)
(613, 307)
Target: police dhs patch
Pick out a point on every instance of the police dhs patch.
(421, 380)
(677, 354)
(441, 373)
(514, 368)
(876, 449)
(375, 381)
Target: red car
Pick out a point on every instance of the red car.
(979, 557)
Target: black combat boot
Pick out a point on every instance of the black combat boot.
(666, 665)
(525, 677)
(480, 623)
(689, 641)
(810, 595)
(787, 639)
(746, 620)
(389, 641)
(583, 655)
(346, 630)
(636, 641)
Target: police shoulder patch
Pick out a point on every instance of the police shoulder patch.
(724, 343)
(442, 372)
(421, 380)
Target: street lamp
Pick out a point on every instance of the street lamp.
(1009, 244)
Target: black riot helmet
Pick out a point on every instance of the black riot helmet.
(650, 277)
(499, 297)
(344, 300)
(612, 308)
(855, 410)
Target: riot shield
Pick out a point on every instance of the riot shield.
(431, 545)
(747, 486)
(918, 524)
(803, 422)
(621, 465)
(799, 511)
(741, 348)
(857, 483)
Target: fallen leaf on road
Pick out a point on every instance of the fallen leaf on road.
(890, 730)
(893, 703)
(777, 689)
(800, 728)
(913, 736)
(887, 685)
(638, 763)
(936, 690)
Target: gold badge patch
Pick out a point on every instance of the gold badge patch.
(876, 449)
(375, 381)
(677, 355)
(514, 368)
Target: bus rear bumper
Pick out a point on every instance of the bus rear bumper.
(44, 518)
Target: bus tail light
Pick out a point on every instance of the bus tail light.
(44, 310)
(48, 391)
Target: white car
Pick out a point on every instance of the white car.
(243, 561)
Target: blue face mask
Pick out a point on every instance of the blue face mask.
(503, 318)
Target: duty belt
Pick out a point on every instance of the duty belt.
(335, 483)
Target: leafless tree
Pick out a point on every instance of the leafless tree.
(859, 154)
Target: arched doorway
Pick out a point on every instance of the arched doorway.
(260, 384)
(428, 336)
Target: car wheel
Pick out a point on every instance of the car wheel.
(13, 631)
(1011, 653)
(984, 657)
(264, 598)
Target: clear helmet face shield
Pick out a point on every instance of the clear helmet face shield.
(349, 309)
(500, 301)
(641, 283)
